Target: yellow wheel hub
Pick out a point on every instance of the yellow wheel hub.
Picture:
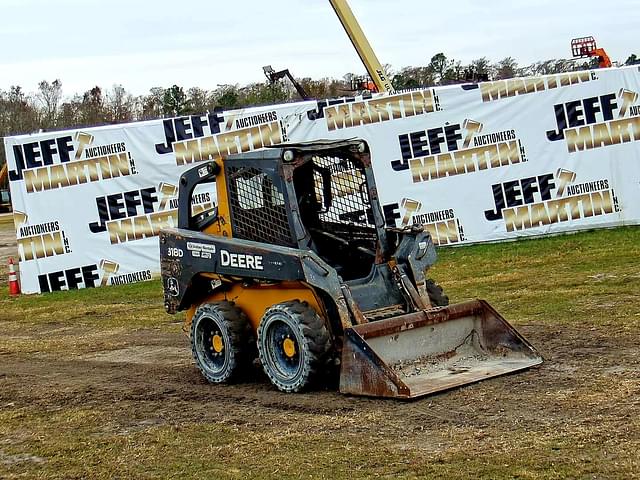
(289, 347)
(217, 343)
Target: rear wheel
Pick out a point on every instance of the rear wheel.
(292, 341)
(437, 296)
(220, 341)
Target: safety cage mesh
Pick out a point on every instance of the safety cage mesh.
(349, 203)
(341, 227)
(257, 206)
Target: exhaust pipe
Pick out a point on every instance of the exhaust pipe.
(430, 351)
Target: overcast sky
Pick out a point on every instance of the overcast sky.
(144, 44)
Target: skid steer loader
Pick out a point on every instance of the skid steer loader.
(296, 260)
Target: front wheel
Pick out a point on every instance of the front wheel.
(292, 341)
(220, 341)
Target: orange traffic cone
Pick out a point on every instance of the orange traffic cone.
(14, 286)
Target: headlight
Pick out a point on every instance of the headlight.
(287, 156)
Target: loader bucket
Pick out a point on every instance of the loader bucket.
(429, 351)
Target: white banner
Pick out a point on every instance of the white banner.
(473, 163)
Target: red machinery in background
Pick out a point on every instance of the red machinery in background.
(584, 47)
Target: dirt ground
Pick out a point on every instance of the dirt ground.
(588, 390)
(576, 416)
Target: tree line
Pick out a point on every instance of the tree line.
(48, 109)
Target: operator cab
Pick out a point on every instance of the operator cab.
(309, 196)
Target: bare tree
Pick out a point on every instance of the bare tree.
(49, 95)
(198, 100)
(506, 68)
(69, 112)
(413, 77)
(267, 93)
(227, 96)
(152, 104)
(92, 111)
(482, 68)
(119, 105)
(18, 113)
(547, 67)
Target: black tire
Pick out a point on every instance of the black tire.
(220, 341)
(292, 341)
(437, 296)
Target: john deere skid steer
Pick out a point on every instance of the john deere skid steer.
(296, 262)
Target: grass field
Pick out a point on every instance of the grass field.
(100, 384)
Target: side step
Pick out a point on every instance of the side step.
(429, 351)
